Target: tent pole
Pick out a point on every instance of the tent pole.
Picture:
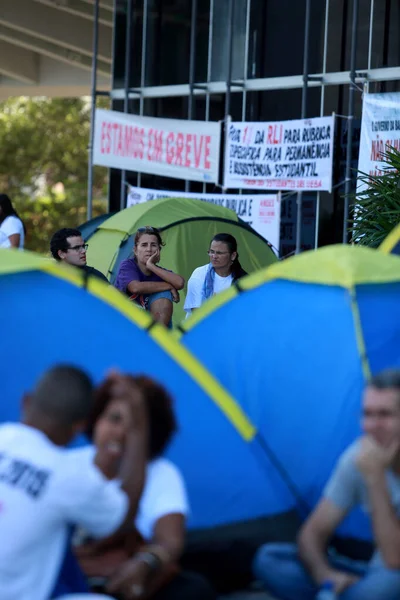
(89, 209)
(304, 99)
(143, 69)
(192, 67)
(128, 44)
(350, 120)
(231, 17)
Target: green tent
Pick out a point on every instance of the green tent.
(187, 227)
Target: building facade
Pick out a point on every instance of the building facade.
(204, 59)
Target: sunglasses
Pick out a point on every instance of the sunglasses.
(147, 228)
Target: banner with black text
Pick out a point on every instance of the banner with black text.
(282, 155)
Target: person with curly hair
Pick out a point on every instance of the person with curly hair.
(144, 563)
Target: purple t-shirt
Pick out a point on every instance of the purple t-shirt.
(129, 271)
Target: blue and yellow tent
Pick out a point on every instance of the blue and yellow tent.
(391, 243)
(51, 313)
(295, 344)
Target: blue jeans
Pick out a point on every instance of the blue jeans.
(156, 296)
(278, 566)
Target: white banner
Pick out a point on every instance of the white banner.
(282, 155)
(380, 129)
(169, 147)
(261, 212)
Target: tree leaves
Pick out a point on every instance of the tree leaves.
(44, 142)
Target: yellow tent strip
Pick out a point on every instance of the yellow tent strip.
(207, 382)
(359, 335)
(390, 240)
(208, 307)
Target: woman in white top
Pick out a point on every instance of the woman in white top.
(144, 563)
(222, 271)
(12, 229)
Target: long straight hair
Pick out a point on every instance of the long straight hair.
(228, 239)
(8, 210)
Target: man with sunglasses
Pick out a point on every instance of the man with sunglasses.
(67, 245)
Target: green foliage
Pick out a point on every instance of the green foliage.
(44, 142)
(376, 208)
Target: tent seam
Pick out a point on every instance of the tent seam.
(360, 341)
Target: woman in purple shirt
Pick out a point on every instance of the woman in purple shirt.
(143, 281)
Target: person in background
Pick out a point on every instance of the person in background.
(67, 245)
(222, 271)
(146, 283)
(367, 474)
(12, 229)
(43, 489)
(145, 562)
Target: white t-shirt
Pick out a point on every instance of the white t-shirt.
(43, 489)
(10, 226)
(164, 492)
(195, 287)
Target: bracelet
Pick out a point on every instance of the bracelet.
(150, 559)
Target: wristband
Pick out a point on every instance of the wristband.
(150, 559)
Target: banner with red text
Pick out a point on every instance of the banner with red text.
(169, 147)
(261, 212)
(281, 155)
(380, 130)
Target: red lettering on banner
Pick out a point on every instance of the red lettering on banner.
(115, 128)
(104, 148)
(158, 145)
(179, 149)
(274, 135)
(188, 149)
(197, 151)
(170, 148)
(139, 143)
(207, 164)
(149, 145)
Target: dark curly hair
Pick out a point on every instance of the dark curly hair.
(162, 422)
(59, 240)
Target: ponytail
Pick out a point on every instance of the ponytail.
(237, 269)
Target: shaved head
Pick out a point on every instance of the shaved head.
(64, 394)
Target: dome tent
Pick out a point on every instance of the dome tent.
(71, 318)
(87, 229)
(307, 334)
(187, 226)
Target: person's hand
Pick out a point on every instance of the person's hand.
(129, 580)
(175, 295)
(373, 459)
(341, 580)
(153, 260)
(123, 387)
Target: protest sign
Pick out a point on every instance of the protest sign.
(380, 130)
(284, 155)
(170, 147)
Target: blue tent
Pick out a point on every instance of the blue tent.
(294, 344)
(51, 313)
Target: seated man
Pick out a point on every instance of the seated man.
(67, 245)
(367, 474)
(43, 489)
